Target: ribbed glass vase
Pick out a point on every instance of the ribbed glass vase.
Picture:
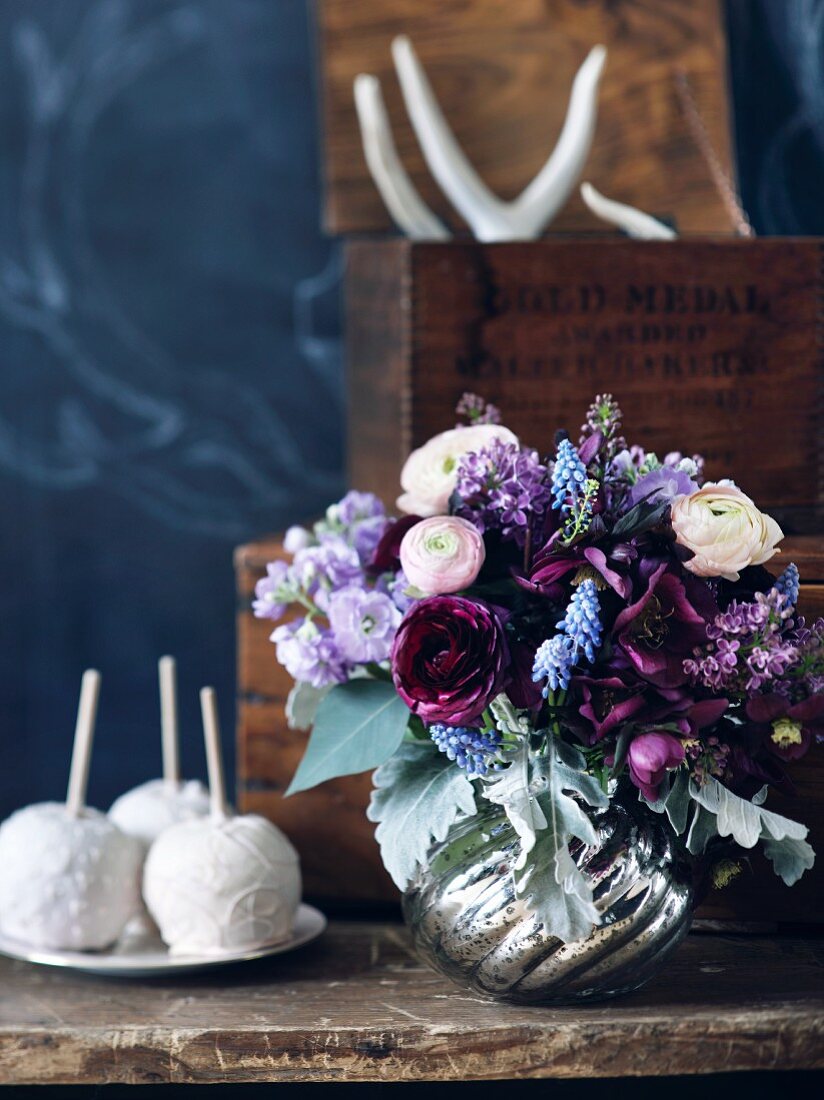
(467, 923)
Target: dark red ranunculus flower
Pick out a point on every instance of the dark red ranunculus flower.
(450, 659)
(387, 556)
(665, 623)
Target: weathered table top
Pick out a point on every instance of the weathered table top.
(357, 1006)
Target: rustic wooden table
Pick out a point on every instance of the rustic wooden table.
(357, 1006)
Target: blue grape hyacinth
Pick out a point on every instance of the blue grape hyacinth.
(582, 622)
(788, 583)
(569, 477)
(476, 751)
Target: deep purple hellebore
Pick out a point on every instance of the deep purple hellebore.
(663, 625)
(786, 729)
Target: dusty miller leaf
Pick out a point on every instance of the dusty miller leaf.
(744, 821)
(418, 795)
(302, 704)
(702, 830)
(512, 789)
(550, 883)
(790, 857)
(675, 802)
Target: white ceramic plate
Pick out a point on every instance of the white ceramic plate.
(144, 954)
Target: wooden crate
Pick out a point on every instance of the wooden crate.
(711, 346)
(502, 72)
(340, 859)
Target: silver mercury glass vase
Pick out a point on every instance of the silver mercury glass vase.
(467, 923)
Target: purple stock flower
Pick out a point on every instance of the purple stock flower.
(502, 487)
(272, 592)
(309, 654)
(364, 624)
(355, 507)
(323, 569)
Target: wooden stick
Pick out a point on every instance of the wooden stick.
(167, 672)
(83, 738)
(214, 754)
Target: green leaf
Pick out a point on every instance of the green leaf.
(790, 858)
(745, 821)
(550, 883)
(418, 796)
(358, 726)
(643, 517)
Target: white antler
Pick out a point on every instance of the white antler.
(409, 211)
(635, 223)
(489, 218)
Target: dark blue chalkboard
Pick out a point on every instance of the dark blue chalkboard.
(170, 375)
(169, 356)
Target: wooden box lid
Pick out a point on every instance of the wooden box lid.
(502, 73)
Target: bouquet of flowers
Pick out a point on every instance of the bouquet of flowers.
(547, 634)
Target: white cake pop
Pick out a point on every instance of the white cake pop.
(69, 878)
(224, 883)
(147, 810)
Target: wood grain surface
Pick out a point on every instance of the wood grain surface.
(358, 1006)
(710, 346)
(340, 858)
(502, 72)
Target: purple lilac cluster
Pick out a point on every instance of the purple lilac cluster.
(475, 410)
(504, 488)
(751, 645)
(604, 418)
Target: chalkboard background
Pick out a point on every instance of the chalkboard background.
(170, 369)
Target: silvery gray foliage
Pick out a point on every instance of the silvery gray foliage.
(747, 822)
(674, 802)
(302, 704)
(717, 812)
(549, 881)
(512, 789)
(418, 796)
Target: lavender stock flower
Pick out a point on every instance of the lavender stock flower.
(273, 592)
(309, 654)
(363, 623)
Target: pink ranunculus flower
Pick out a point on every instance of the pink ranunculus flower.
(442, 554)
(724, 530)
(429, 474)
(650, 757)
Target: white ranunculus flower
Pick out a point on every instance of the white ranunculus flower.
(428, 476)
(725, 531)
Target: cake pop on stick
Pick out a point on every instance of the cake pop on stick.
(145, 811)
(69, 878)
(224, 883)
